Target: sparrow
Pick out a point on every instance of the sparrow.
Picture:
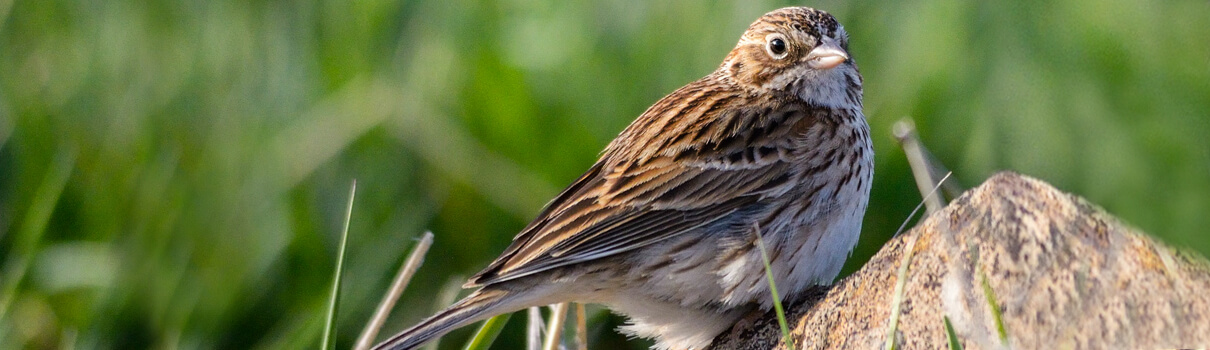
(663, 227)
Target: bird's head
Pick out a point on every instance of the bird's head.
(797, 50)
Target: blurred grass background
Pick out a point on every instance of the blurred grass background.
(173, 173)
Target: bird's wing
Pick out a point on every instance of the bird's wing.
(661, 178)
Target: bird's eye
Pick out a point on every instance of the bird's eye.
(777, 46)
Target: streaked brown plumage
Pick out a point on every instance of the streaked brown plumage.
(661, 228)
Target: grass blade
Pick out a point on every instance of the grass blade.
(989, 295)
(446, 297)
(951, 335)
(897, 298)
(554, 330)
(487, 333)
(413, 262)
(925, 167)
(917, 209)
(781, 313)
(581, 327)
(901, 276)
(330, 324)
(33, 226)
(533, 333)
(994, 305)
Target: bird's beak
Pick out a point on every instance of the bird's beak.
(827, 55)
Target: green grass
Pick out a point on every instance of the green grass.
(212, 141)
(902, 273)
(989, 295)
(901, 277)
(777, 308)
(951, 336)
(34, 225)
(994, 306)
(334, 300)
(486, 335)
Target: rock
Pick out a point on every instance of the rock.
(1061, 273)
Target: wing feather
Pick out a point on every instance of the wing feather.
(635, 196)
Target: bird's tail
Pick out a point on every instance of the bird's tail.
(479, 305)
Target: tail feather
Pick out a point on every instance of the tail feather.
(476, 307)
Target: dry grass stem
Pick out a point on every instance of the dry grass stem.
(446, 297)
(926, 169)
(555, 326)
(388, 301)
(533, 334)
(581, 327)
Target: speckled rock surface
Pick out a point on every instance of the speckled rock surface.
(1062, 273)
